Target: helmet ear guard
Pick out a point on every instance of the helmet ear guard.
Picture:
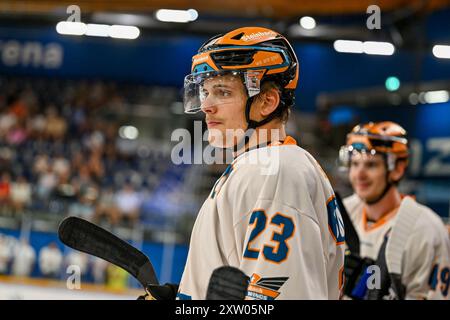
(391, 161)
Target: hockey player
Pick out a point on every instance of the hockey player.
(272, 213)
(376, 155)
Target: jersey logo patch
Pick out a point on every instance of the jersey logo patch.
(335, 222)
(265, 288)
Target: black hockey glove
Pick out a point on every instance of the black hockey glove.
(167, 291)
(355, 276)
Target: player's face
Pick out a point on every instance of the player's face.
(367, 175)
(223, 102)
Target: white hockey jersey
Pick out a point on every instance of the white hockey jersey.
(273, 215)
(426, 255)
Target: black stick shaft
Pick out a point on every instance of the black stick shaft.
(87, 237)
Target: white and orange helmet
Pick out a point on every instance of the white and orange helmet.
(255, 55)
(386, 137)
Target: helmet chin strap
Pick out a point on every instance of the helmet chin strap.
(387, 187)
(381, 196)
(252, 124)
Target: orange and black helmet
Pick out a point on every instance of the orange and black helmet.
(256, 54)
(385, 137)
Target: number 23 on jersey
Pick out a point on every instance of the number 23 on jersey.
(261, 224)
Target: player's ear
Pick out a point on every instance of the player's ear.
(270, 99)
(399, 171)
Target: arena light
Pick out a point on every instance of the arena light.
(126, 19)
(180, 16)
(348, 46)
(97, 30)
(422, 98)
(308, 23)
(124, 32)
(413, 98)
(367, 47)
(392, 84)
(439, 96)
(71, 28)
(379, 48)
(128, 132)
(441, 51)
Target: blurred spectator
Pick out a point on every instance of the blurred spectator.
(61, 166)
(41, 164)
(78, 117)
(106, 207)
(95, 141)
(85, 206)
(36, 125)
(56, 125)
(50, 261)
(76, 258)
(5, 255)
(23, 259)
(82, 180)
(77, 161)
(5, 192)
(95, 164)
(65, 190)
(99, 267)
(126, 147)
(116, 278)
(19, 109)
(46, 184)
(128, 203)
(17, 134)
(20, 194)
(6, 155)
(7, 121)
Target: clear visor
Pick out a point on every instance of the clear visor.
(218, 88)
(346, 153)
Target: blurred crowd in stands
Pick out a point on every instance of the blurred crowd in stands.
(60, 152)
(18, 258)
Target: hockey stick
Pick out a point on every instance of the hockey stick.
(399, 235)
(227, 283)
(87, 237)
